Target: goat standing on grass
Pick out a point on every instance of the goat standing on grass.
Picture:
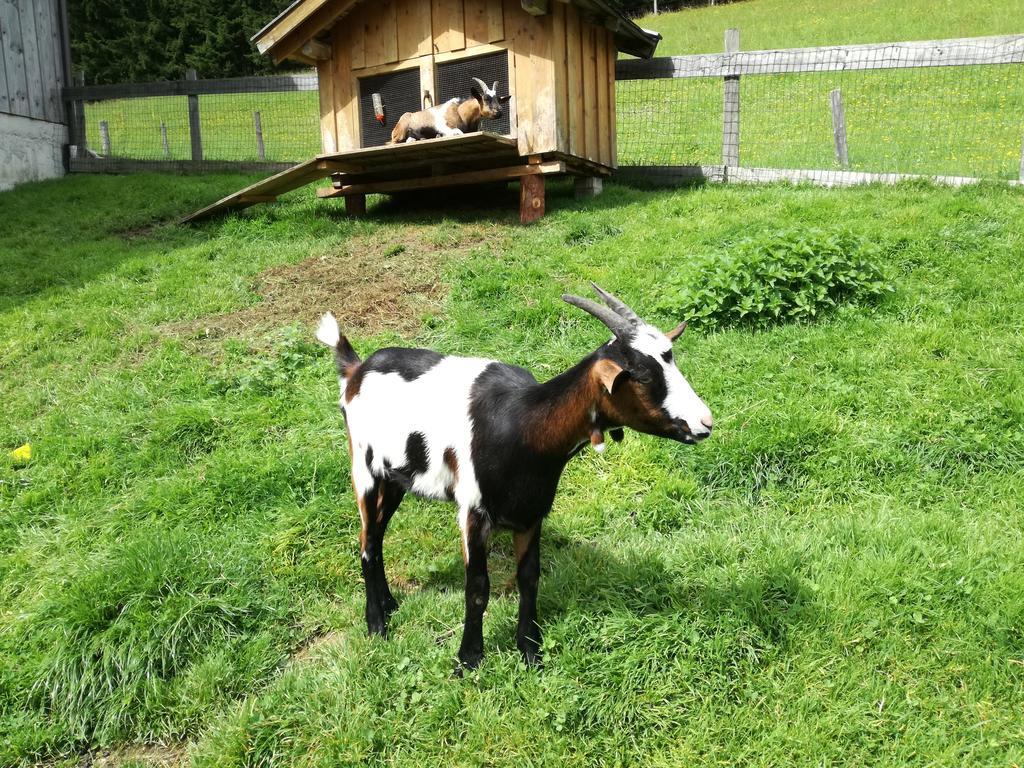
(489, 437)
(454, 117)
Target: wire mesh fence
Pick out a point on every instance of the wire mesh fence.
(952, 108)
(942, 108)
(254, 122)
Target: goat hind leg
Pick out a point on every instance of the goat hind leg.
(390, 497)
(371, 557)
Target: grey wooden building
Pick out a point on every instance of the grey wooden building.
(34, 66)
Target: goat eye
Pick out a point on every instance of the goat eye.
(667, 356)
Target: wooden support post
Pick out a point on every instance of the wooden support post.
(731, 107)
(531, 198)
(104, 138)
(194, 133)
(588, 186)
(261, 150)
(839, 127)
(78, 138)
(163, 140)
(355, 206)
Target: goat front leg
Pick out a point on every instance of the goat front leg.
(476, 532)
(528, 636)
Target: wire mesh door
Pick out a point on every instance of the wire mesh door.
(455, 78)
(396, 93)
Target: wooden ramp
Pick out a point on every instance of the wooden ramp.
(388, 164)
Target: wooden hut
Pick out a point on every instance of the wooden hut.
(377, 60)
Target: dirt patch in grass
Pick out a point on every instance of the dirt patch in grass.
(140, 231)
(150, 755)
(385, 281)
(316, 646)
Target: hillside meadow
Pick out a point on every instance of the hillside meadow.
(834, 578)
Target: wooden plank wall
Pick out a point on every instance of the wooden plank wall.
(533, 83)
(31, 59)
(396, 31)
(346, 92)
(588, 102)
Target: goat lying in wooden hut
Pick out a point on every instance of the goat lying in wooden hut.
(454, 117)
(489, 437)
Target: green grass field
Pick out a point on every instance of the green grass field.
(966, 121)
(768, 24)
(834, 578)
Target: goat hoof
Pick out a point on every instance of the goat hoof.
(377, 628)
(532, 658)
(469, 661)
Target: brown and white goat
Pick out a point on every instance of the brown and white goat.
(452, 118)
(489, 437)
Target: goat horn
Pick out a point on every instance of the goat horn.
(617, 304)
(616, 323)
(483, 86)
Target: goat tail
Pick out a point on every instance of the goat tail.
(398, 134)
(345, 358)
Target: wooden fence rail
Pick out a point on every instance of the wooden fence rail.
(1002, 49)
(268, 84)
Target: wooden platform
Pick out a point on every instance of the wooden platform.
(471, 151)
(472, 158)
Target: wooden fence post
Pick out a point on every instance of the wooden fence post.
(1022, 162)
(104, 138)
(731, 107)
(163, 140)
(78, 139)
(261, 150)
(194, 133)
(839, 127)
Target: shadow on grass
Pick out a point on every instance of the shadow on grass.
(496, 203)
(62, 234)
(584, 578)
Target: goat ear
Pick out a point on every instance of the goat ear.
(676, 332)
(475, 93)
(610, 374)
(505, 99)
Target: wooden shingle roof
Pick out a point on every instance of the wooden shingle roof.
(292, 33)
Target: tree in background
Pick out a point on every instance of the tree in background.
(115, 41)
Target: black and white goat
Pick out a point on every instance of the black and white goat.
(489, 437)
(452, 118)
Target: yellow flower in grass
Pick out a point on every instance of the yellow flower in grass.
(22, 455)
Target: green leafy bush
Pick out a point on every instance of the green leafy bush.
(790, 275)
